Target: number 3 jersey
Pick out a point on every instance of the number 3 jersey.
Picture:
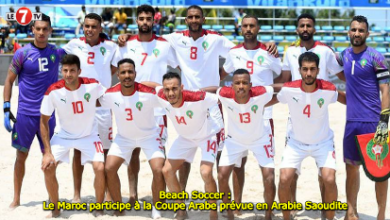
(75, 109)
(244, 122)
(192, 119)
(134, 113)
(309, 111)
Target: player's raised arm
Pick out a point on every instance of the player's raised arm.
(285, 76)
(211, 89)
(150, 84)
(272, 48)
(48, 158)
(123, 38)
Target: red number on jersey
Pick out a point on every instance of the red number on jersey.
(110, 134)
(249, 65)
(143, 60)
(161, 129)
(306, 111)
(212, 146)
(98, 147)
(91, 56)
(181, 120)
(268, 148)
(78, 107)
(245, 118)
(193, 54)
(130, 114)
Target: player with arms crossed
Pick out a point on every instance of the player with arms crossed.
(133, 105)
(151, 55)
(243, 108)
(366, 74)
(37, 65)
(310, 134)
(96, 56)
(74, 99)
(253, 56)
(188, 111)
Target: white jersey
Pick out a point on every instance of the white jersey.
(258, 62)
(95, 61)
(309, 111)
(151, 58)
(75, 109)
(134, 113)
(192, 119)
(328, 62)
(199, 60)
(243, 122)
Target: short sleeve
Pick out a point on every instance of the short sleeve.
(334, 97)
(268, 94)
(47, 106)
(276, 65)
(281, 96)
(380, 67)
(172, 59)
(210, 100)
(116, 51)
(332, 65)
(228, 66)
(226, 46)
(68, 47)
(340, 58)
(169, 38)
(117, 56)
(286, 63)
(17, 62)
(100, 90)
(104, 100)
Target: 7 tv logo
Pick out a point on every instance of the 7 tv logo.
(24, 16)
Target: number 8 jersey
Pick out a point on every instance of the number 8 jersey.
(309, 111)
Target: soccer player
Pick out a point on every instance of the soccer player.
(74, 100)
(151, 55)
(253, 56)
(188, 111)
(243, 108)
(366, 74)
(96, 55)
(133, 105)
(310, 134)
(37, 65)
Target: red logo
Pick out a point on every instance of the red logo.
(23, 16)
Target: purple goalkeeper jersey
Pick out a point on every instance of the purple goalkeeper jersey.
(37, 69)
(363, 72)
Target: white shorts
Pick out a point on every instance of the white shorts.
(123, 147)
(90, 146)
(233, 150)
(103, 125)
(181, 148)
(162, 131)
(323, 153)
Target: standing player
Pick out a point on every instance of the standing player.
(243, 107)
(366, 74)
(36, 65)
(190, 117)
(253, 56)
(74, 99)
(310, 134)
(151, 55)
(96, 55)
(133, 105)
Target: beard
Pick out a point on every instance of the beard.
(306, 38)
(362, 42)
(195, 30)
(309, 83)
(146, 31)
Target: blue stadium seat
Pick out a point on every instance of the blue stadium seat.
(317, 38)
(21, 36)
(69, 36)
(79, 35)
(278, 38)
(217, 27)
(340, 49)
(265, 27)
(230, 37)
(206, 27)
(327, 28)
(115, 37)
(73, 25)
(132, 27)
(369, 39)
(181, 27)
(339, 28)
(317, 27)
(381, 49)
(265, 38)
(291, 38)
(387, 39)
(334, 49)
(387, 29)
(379, 39)
(290, 28)
(240, 38)
(280, 49)
(278, 28)
(328, 39)
(229, 27)
(341, 38)
(376, 29)
(12, 35)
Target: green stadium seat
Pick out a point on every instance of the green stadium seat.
(229, 27)
(217, 27)
(21, 36)
(70, 36)
(291, 38)
(181, 27)
(381, 49)
(328, 39)
(376, 29)
(206, 27)
(317, 38)
(240, 38)
(339, 28)
(278, 38)
(265, 27)
(378, 39)
(278, 27)
(341, 38)
(265, 38)
(290, 28)
(327, 28)
(229, 37)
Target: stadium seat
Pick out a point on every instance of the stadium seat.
(265, 38)
(11, 35)
(206, 27)
(327, 28)
(265, 27)
(132, 27)
(376, 29)
(229, 27)
(69, 36)
(369, 39)
(379, 39)
(290, 28)
(291, 38)
(278, 28)
(21, 36)
(62, 45)
(387, 39)
(230, 37)
(381, 49)
(280, 49)
(240, 38)
(328, 39)
(387, 29)
(181, 27)
(339, 28)
(317, 38)
(278, 38)
(217, 27)
(317, 27)
(341, 38)
(115, 37)
(79, 35)
(340, 49)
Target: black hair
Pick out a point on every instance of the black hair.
(171, 75)
(126, 60)
(309, 16)
(251, 16)
(241, 72)
(44, 18)
(145, 8)
(70, 59)
(94, 16)
(360, 19)
(195, 7)
(308, 57)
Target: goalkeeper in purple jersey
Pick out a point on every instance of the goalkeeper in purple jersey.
(367, 76)
(37, 65)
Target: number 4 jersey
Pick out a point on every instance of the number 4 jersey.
(75, 109)
(309, 111)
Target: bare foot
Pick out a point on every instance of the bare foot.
(237, 212)
(118, 213)
(14, 204)
(98, 213)
(76, 199)
(293, 213)
(181, 215)
(268, 215)
(229, 214)
(54, 214)
(132, 200)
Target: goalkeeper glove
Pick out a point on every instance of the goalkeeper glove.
(382, 131)
(8, 116)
